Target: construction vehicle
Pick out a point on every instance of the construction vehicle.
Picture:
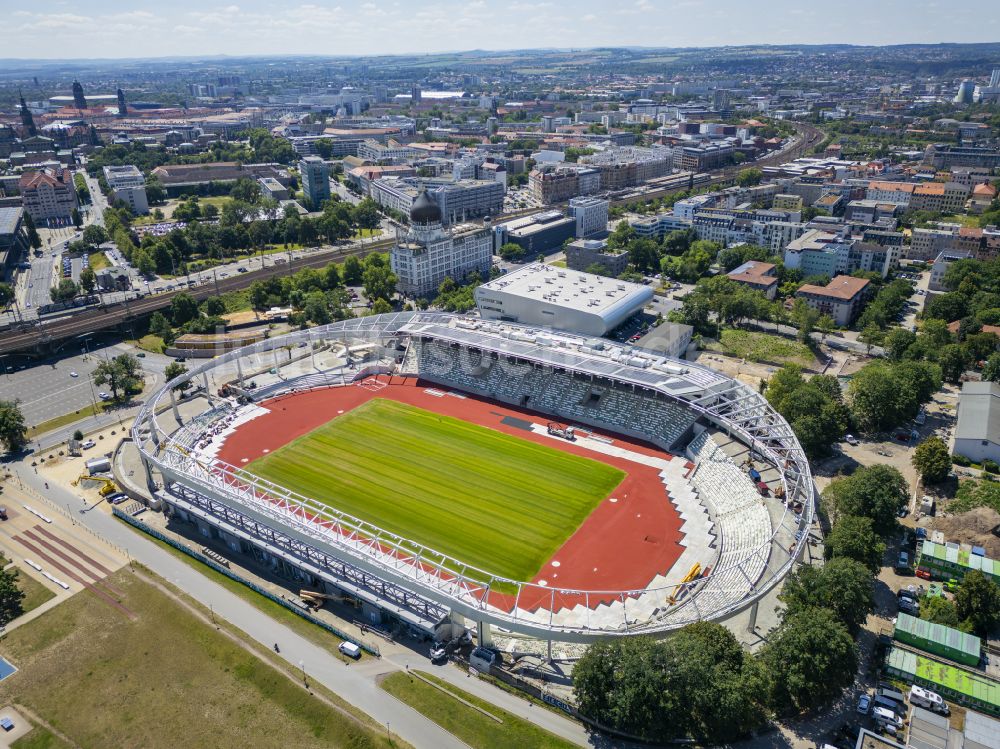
(561, 430)
(693, 574)
(107, 485)
(314, 599)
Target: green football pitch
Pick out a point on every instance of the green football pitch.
(481, 496)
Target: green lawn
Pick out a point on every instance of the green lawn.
(163, 679)
(39, 737)
(35, 594)
(762, 347)
(99, 261)
(471, 726)
(488, 499)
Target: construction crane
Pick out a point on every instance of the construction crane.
(693, 574)
(107, 485)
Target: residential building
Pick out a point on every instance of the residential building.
(927, 244)
(315, 180)
(940, 267)
(389, 153)
(48, 196)
(591, 215)
(940, 197)
(827, 253)
(128, 186)
(629, 165)
(899, 193)
(757, 275)
(539, 294)
(582, 254)
(842, 299)
(558, 183)
(787, 202)
(429, 252)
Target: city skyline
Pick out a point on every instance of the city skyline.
(367, 27)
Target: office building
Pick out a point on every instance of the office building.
(129, 186)
(584, 254)
(842, 299)
(591, 215)
(927, 244)
(539, 294)
(558, 183)
(271, 188)
(315, 180)
(539, 233)
(48, 196)
(945, 156)
(630, 165)
(13, 239)
(428, 252)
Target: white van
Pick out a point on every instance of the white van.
(350, 650)
(884, 717)
(927, 699)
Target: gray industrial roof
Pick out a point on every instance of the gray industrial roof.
(9, 217)
(979, 412)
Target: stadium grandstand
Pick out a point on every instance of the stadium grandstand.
(731, 485)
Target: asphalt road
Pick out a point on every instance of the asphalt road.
(354, 683)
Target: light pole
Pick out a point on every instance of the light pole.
(305, 680)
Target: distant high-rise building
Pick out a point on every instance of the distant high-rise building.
(966, 89)
(122, 109)
(415, 94)
(315, 180)
(26, 119)
(995, 78)
(720, 99)
(78, 99)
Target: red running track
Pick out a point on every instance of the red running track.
(629, 538)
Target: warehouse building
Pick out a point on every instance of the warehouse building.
(557, 298)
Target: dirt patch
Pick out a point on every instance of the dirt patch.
(972, 527)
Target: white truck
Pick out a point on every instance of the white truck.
(929, 700)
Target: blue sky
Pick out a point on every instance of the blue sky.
(106, 28)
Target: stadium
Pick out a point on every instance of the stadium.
(531, 482)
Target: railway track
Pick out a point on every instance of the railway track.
(104, 318)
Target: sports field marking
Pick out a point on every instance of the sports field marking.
(494, 501)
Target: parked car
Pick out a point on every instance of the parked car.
(73, 374)
(864, 704)
(104, 396)
(851, 440)
(903, 562)
(87, 444)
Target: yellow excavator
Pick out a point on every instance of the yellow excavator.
(107, 485)
(692, 574)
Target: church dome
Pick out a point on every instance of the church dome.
(425, 210)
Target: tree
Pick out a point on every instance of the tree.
(123, 375)
(214, 306)
(978, 600)
(878, 492)
(932, 460)
(853, 537)
(844, 586)
(749, 177)
(11, 597)
(991, 371)
(94, 235)
(940, 610)
(896, 343)
(317, 308)
(953, 360)
(809, 661)
(159, 326)
(176, 369)
(76, 218)
(77, 435)
(379, 282)
(825, 325)
(380, 307)
(512, 252)
(88, 280)
(6, 295)
(155, 193)
(352, 270)
(804, 318)
(183, 309)
(63, 291)
(13, 431)
(871, 336)
(32, 233)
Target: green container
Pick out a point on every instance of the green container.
(969, 688)
(938, 639)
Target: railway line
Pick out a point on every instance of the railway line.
(38, 337)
